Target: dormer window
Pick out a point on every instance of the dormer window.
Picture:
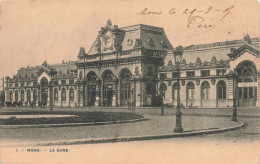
(129, 42)
(150, 42)
(164, 44)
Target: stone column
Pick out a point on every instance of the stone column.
(97, 102)
(102, 93)
(114, 99)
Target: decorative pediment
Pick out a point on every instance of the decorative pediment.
(235, 53)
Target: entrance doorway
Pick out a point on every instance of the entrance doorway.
(91, 90)
(125, 86)
(108, 95)
(247, 96)
(247, 83)
(91, 95)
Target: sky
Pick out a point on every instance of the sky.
(32, 31)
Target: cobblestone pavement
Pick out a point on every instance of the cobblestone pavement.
(193, 119)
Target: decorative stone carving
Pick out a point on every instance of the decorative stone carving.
(169, 83)
(138, 43)
(183, 82)
(137, 71)
(197, 82)
(213, 81)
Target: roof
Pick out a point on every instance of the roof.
(33, 72)
(135, 36)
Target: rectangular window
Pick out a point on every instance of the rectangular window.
(251, 92)
(22, 84)
(163, 75)
(55, 82)
(205, 73)
(240, 93)
(174, 74)
(16, 84)
(190, 74)
(221, 72)
(34, 83)
(10, 85)
(63, 81)
(71, 81)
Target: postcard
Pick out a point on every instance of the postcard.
(128, 81)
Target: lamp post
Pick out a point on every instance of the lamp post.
(177, 58)
(234, 116)
(162, 90)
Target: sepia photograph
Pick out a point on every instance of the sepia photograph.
(128, 81)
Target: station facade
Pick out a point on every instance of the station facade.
(210, 74)
(127, 64)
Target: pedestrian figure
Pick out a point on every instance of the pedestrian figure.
(129, 105)
(133, 106)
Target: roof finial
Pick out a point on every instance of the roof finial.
(109, 23)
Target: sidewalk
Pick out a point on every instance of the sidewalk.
(156, 126)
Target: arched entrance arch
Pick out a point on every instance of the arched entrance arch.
(108, 81)
(91, 88)
(221, 93)
(125, 86)
(247, 83)
(44, 90)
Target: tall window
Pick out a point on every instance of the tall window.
(56, 94)
(11, 95)
(71, 92)
(35, 95)
(63, 94)
(16, 96)
(22, 95)
(190, 91)
(205, 90)
(221, 90)
(28, 95)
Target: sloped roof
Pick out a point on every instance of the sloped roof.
(147, 34)
(60, 68)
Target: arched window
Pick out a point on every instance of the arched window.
(205, 87)
(63, 94)
(190, 91)
(16, 96)
(11, 95)
(28, 95)
(35, 95)
(22, 95)
(221, 90)
(71, 92)
(56, 96)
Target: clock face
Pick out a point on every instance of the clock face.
(108, 42)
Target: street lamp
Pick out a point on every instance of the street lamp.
(234, 75)
(162, 90)
(177, 58)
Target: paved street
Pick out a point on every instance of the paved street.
(193, 119)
